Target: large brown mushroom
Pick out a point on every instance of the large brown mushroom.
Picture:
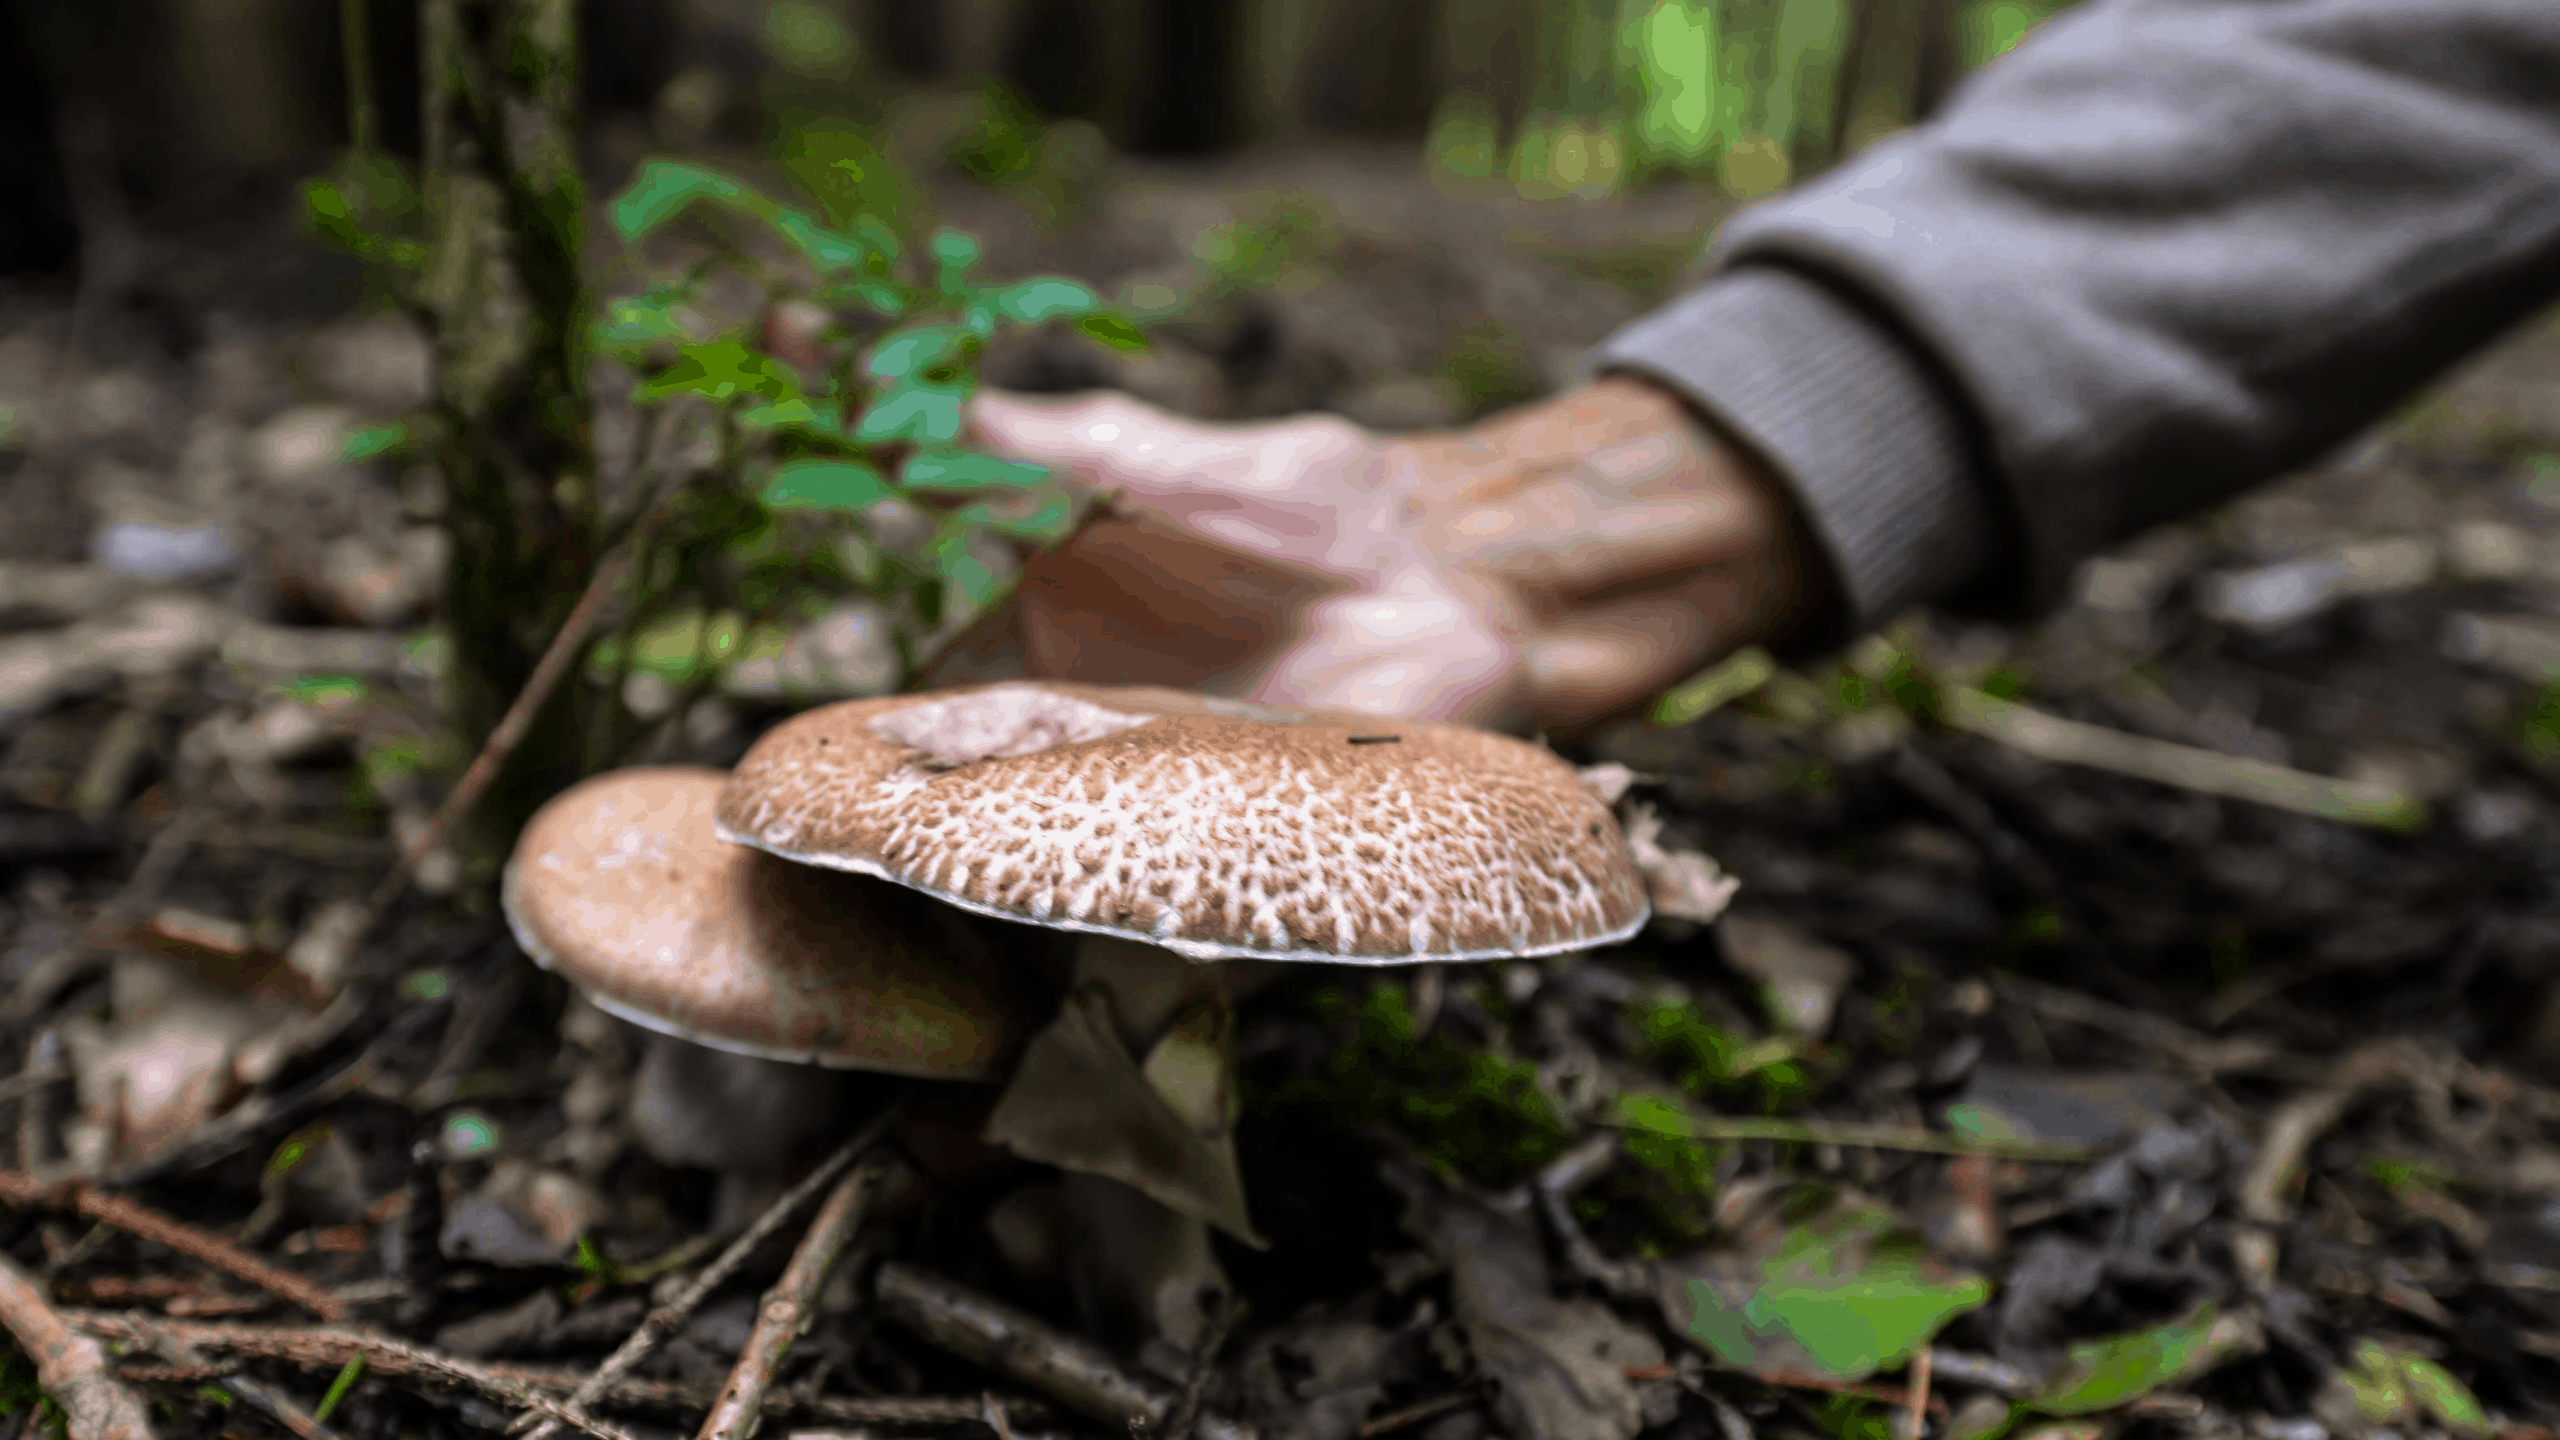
(622, 887)
(1173, 831)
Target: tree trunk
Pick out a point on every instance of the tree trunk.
(504, 297)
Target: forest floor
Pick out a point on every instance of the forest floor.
(2136, 1022)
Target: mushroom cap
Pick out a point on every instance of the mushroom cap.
(621, 885)
(1213, 828)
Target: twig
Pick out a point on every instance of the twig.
(1730, 1422)
(1882, 1394)
(329, 1350)
(1856, 1135)
(1981, 1372)
(302, 1423)
(1554, 1188)
(17, 1187)
(988, 1332)
(662, 1321)
(1919, 1402)
(332, 1349)
(992, 1411)
(788, 1308)
(1213, 1338)
(2267, 1190)
(2185, 767)
(71, 1366)
(557, 658)
(1416, 1413)
(2204, 1055)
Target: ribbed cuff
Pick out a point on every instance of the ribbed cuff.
(1873, 448)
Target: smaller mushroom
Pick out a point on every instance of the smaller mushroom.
(757, 976)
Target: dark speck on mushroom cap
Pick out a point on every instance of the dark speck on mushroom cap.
(622, 886)
(1213, 828)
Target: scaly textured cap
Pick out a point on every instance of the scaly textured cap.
(1213, 828)
(621, 885)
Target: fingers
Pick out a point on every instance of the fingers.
(1625, 514)
(1597, 664)
(1112, 441)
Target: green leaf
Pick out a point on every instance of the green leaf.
(836, 165)
(793, 415)
(1054, 520)
(2444, 1397)
(878, 297)
(929, 470)
(901, 354)
(829, 250)
(637, 324)
(664, 189)
(2102, 1374)
(914, 412)
(679, 645)
(1841, 1294)
(1045, 298)
(372, 442)
(822, 484)
(1115, 331)
(1737, 675)
(722, 370)
(338, 216)
(963, 574)
(955, 253)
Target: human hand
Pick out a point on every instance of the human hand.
(1554, 566)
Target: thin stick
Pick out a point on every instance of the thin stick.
(788, 1308)
(71, 1366)
(1919, 1404)
(2186, 767)
(330, 1350)
(1416, 1413)
(986, 1331)
(1883, 1394)
(665, 1319)
(565, 647)
(1852, 1134)
(1213, 1338)
(302, 1423)
(17, 1187)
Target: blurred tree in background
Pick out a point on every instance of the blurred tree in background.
(1556, 97)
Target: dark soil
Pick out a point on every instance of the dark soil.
(2302, 1057)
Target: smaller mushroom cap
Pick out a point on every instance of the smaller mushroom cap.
(1215, 829)
(621, 885)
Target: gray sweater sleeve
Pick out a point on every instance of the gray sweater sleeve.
(2162, 251)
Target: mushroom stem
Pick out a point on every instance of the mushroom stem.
(746, 1119)
(1149, 986)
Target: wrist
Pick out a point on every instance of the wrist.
(1639, 543)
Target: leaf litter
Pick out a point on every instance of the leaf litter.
(2035, 1042)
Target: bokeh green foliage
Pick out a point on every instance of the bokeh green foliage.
(774, 435)
(867, 414)
(1750, 94)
